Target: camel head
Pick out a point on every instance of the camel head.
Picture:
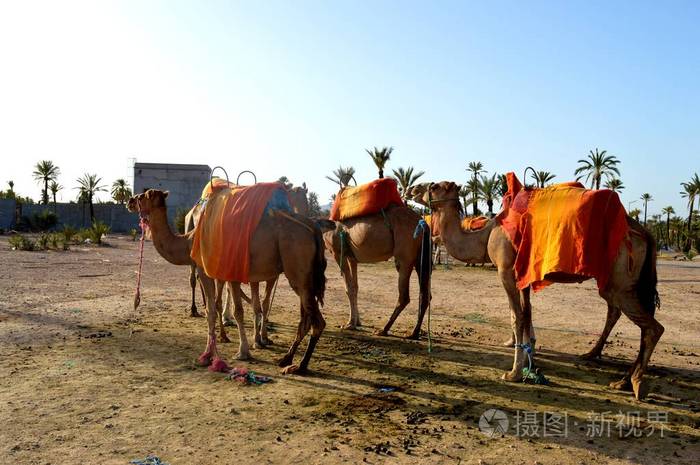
(432, 195)
(146, 202)
(298, 199)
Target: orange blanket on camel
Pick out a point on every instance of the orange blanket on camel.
(221, 242)
(562, 229)
(365, 199)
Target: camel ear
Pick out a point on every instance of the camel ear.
(165, 194)
(303, 186)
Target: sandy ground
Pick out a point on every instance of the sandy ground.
(85, 379)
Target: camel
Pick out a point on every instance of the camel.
(281, 243)
(299, 202)
(377, 238)
(630, 291)
(300, 205)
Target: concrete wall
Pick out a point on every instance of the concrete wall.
(7, 213)
(117, 217)
(185, 182)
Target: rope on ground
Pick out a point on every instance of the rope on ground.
(149, 460)
(421, 228)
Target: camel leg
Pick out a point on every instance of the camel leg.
(267, 303)
(651, 331)
(210, 356)
(312, 318)
(349, 272)
(257, 315)
(423, 304)
(302, 329)
(517, 320)
(193, 286)
(243, 347)
(610, 321)
(529, 330)
(220, 289)
(228, 308)
(404, 299)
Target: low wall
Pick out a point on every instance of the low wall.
(116, 216)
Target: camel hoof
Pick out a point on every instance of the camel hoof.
(381, 332)
(259, 345)
(623, 385)
(204, 360)
(284, 361)
(640, 388)
(592, 355)
(512, 376)
(224, 338)
(195, 314)
(509, 343)
(242, 355)
(229, 323)
(293, 369)
(349, 326)
(413, 336)
(267, 341)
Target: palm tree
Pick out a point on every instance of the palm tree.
(464, 192)
(406, 179)
(488, 190)
(614, 184)
(502, 187)
(380, 157)
(120, 191)
(342, 176)
(45, 172)
(475, 168)
(542, 177)
(54, 187)
(668, 211)
(11, 191)
(89, 186)
(597, 165)
(691, 189)
(646, 198)
(634, 213)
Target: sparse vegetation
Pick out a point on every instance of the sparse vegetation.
(20, 242)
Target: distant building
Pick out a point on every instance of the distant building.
(185, 182)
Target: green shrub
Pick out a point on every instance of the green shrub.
(43, 221)
(68, 233)
(96, 232)
(43, 241)
(180, 220)
(19, 242)
(134, 234)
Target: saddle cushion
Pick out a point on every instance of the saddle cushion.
(563, 231)
(365, 199)
(221, 241)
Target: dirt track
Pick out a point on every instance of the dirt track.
(84, 379)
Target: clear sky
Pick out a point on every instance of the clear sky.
(297, 88)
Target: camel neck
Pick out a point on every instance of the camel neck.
(174, 248)
(466, 246)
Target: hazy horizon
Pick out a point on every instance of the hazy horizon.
(299, 89)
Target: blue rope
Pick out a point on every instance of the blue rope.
(527, 348)
(149, 460)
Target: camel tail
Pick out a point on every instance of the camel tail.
(319, 271)
(646, 285)
(425, 261)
